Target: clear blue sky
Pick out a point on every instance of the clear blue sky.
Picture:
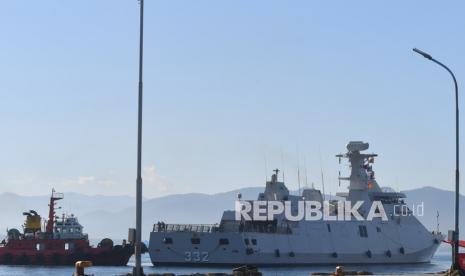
(228, 84)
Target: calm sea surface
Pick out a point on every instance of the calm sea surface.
(440, 262)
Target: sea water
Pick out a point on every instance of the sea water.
(440, 262)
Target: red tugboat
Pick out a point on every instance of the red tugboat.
(62, 243)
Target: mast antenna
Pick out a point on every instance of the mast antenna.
(282, 162)
(322, 175)
(266, 168)
(306, 176)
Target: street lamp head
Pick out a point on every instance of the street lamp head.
(425, 55)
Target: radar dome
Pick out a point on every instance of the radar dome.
(357, 146)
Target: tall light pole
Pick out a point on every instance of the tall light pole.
(138, 243)
(455, 245)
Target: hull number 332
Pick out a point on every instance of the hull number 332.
(196, 256)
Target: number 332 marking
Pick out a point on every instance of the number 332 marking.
(196, 256)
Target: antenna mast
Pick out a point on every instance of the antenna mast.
(282, 163)
(306, 178)
(322, 176)
(266, 168)
(51, 211)
(298, 169)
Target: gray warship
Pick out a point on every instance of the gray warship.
(399, 238)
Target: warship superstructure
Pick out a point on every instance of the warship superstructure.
(400, 238)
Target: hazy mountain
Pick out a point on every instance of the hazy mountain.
(110, 216)
(437, 200)
(192, 208)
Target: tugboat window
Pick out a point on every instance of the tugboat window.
(195, 241)
(168, 240)
(254, 241)
(246, 241)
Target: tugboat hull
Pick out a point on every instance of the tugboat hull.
(98, 258)
(62, 252)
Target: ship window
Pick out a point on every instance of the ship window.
(378, 229)
(224, 241)
(168, 240)
(329, 227)
(40, 246)
(69, 246)
(254, 241)
(362, 231)
(195, 241)
(246, 241)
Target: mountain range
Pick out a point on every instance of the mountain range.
(111, 216)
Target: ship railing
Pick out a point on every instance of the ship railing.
(200, 228)
(259, 229)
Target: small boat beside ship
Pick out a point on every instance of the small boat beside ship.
(60, 241)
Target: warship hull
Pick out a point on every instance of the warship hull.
(387, 234)
(319, 247)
